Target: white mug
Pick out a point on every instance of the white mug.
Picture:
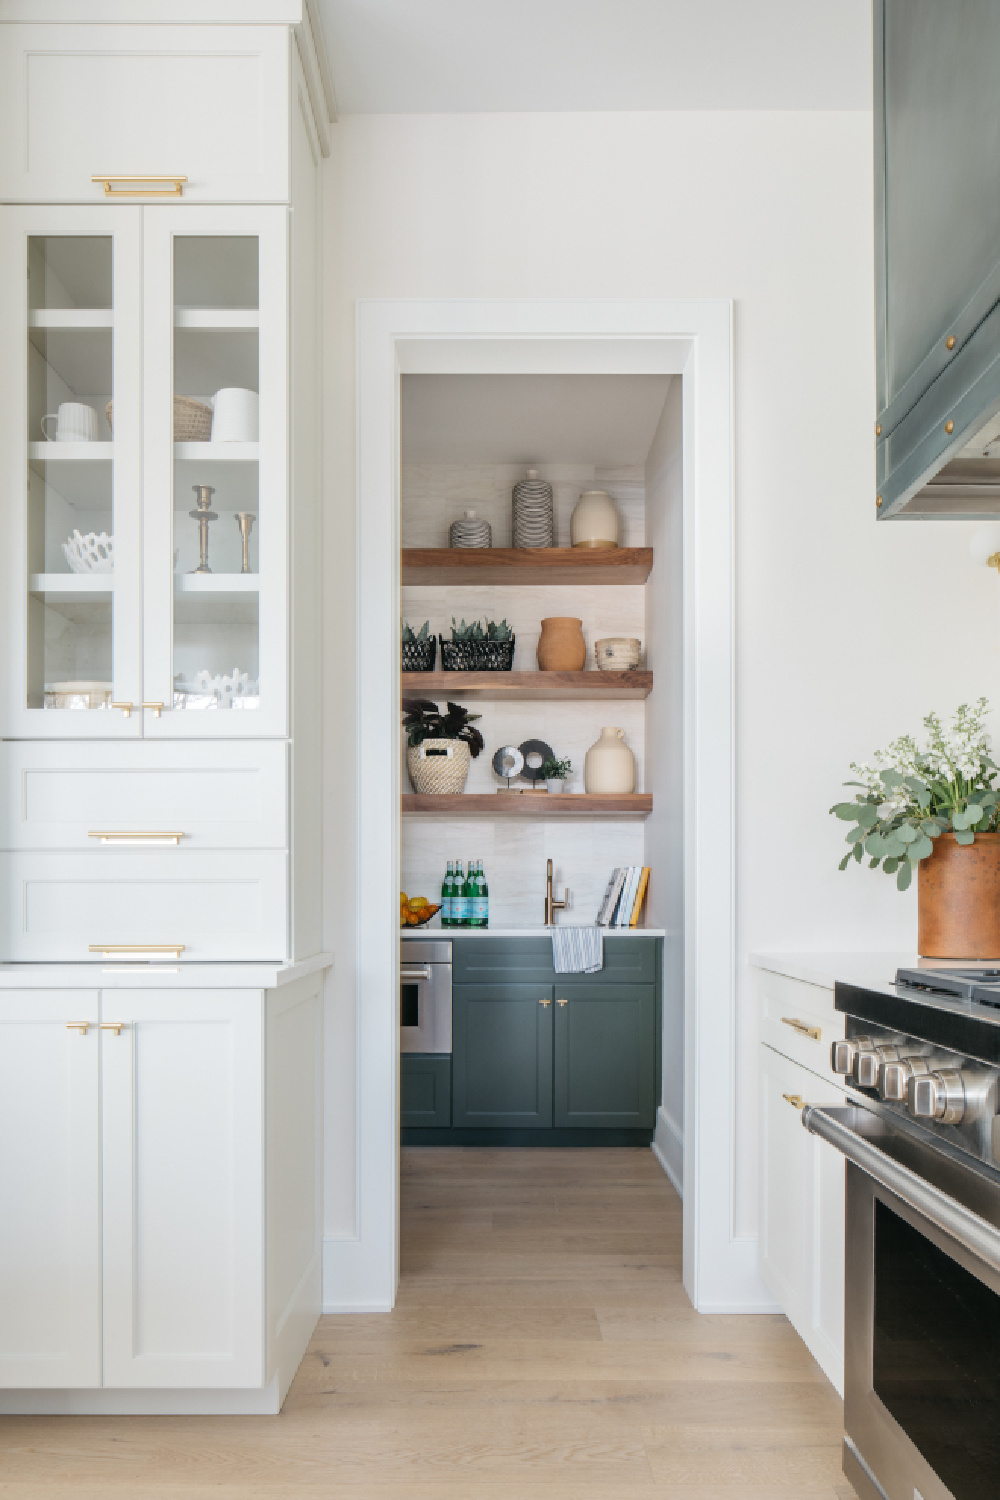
(235, 416)
(75, 423)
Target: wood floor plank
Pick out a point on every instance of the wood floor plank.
(542, 1348)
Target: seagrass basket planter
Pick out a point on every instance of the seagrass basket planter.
(438, 767)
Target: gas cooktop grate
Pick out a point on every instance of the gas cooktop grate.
(978, 986)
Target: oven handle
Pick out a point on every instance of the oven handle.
(953, 1218)
(409, 971)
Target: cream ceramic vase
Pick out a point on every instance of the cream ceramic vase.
(609, 767)
(561, 647)
(595, 520)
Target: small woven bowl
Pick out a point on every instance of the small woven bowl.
(617, 653)
(192, 420)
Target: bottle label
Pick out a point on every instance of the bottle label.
(446, 904)
(480, 907)
(459, 908)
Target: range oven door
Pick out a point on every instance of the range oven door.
(922, 1313)
(425, 997)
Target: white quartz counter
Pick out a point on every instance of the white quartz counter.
(516, 932)
(826, 969)
(110, 974)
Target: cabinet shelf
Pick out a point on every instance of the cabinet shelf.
(71, 317)
(505, 687)
(216, 317)
(465, 566)
(65, 453)
(217, 453)
(216, 583)
(529, 805)
(65, 588)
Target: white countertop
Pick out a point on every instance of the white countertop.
(511, 932)
(109, 975)
(826, 969)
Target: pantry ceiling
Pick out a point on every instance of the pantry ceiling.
(455, 56)
(605, 420)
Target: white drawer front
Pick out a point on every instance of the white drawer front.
(229, 905)
(209, 102)
(799, 1021)
(64, 795)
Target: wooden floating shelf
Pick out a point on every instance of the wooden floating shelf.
(471, 566)
(527, 686)
(529, 805)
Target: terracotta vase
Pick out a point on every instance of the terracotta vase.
(561, 647)
(609, 767)
(958, 899)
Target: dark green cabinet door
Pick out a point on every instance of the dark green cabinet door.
(605, 1055)
(424, 1089)
(502, 1055)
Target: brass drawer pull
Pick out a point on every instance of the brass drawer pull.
(795, 1100)
(154, 950)
(112, 836)
(126, 708)
(80, 1026)
(802, 1029)
(115, 1026)
(545, 1001)
(156, 708)
(176, 180)
(562, 1002)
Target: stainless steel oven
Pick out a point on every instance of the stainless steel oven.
(424, 996)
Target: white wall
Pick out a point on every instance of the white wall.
(846, 633)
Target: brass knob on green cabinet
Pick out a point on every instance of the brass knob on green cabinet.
(949, 342)
(878, 502)
(949, 427)
(878, 429)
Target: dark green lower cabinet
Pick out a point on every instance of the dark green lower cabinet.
(502, 1049)
(424, 1090)
(605, 1055)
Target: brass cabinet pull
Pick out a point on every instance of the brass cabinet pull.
(114, 836)
(546, 1001)
(795, 1100)
(176, 180)
(949, 427)
(80, 1026)
(116, 1027)
(562, 1002)
(126, 708)
(802, 1028)
(949, 342)
(156, 950)
(157, 708)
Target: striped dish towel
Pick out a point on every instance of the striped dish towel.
(577, 950)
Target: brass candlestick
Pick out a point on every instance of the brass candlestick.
(203, 514)
(245, 520)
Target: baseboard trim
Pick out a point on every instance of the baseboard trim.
(355, 1280)
(668, 1148)
(264, 1402)
(569, 1136)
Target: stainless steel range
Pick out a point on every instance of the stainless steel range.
(921, 1061)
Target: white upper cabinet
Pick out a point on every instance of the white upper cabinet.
(144, 398)
(207, 103)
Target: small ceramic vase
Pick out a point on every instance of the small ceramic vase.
(609, 768)
(555, 785)
(595, 520)
(561, 647)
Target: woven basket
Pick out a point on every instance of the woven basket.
(477, 656)
(418, 656)
(617, 653)
(438, 766)
(192, 420)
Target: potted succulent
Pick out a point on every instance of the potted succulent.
(555, 772)
(439, 746)
(419, 648)
(934, 808)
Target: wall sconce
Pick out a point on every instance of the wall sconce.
(984, 545)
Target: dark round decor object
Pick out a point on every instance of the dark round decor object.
(535, 747)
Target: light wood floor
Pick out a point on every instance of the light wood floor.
(542, 1349)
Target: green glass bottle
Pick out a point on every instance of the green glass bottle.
(469, 892)
(459, 899)
(482, 899)
(447, 886)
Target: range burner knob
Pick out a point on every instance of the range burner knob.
(869, 1061)
(937, 1096)
(843, 1053)
(894, 1077)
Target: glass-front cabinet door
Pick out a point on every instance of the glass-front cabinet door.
(71, 401)
(215, 460)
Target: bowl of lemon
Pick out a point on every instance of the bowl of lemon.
(414, 911)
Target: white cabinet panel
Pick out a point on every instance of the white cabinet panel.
(49, 1186)
(799, 1021)
(219, 796)
(801, 1209)
(183, 1176)
(211, 102)
(219, 905)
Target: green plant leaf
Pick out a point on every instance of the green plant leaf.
(846, 810)
(845, 861)
(891, 778)
(855, 835)
(924, 798)
(932, 828)
(974, 813)
(906, 833)
(965, 838)
(915, 783)
(872, 863)
(959, 819)
(857, 852)
(875, 846)
(867, 817)
(904, 875)
(922, 849)
(895, 846)
(891, 864)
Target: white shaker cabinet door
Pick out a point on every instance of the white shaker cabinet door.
(183, 1267)
(49, 1190)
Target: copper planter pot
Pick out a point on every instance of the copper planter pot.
(958, 899)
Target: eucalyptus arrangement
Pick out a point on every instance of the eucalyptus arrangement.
(911, 794)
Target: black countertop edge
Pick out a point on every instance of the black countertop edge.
(939, 1019)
